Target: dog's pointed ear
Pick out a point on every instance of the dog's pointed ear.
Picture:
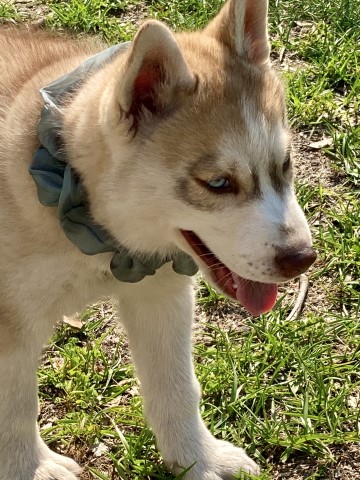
(156, 76)
(242, 26)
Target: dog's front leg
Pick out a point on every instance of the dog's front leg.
(23, 454)
(157, 314)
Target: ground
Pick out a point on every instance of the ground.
(290, 390)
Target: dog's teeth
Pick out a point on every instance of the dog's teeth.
(235, 286)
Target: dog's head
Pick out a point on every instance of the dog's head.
(200, 154)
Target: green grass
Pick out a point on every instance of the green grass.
(184, 14)
(283, 389)
(95, 16)
(8, 11)
(288, 391)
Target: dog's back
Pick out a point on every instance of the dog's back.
(27, 55)
(29, 59)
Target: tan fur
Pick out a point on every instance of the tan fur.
(145, 133)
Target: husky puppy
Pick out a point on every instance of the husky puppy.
(170, 152)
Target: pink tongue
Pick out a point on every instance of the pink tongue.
(256, 297)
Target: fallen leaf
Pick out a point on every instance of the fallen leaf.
(325, 142)
(100, 449)
(302, 23)
(73, 321)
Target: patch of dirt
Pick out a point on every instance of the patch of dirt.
(312, 165)
(135, 14)
(31, 11)
(346, 466)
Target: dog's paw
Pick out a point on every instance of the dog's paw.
(232, 461)
(41, 464)
(223, 462)
(57, 467)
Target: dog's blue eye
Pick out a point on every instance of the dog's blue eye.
(219, 183)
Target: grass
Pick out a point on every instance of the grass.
(8, 11)
(288, 391)
(96, 16)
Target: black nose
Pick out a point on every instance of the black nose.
(291, 262)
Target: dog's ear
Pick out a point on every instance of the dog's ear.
(242, 26)
(156, 76)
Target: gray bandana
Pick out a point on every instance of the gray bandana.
(59, 186)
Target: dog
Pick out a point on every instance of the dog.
(135, 166)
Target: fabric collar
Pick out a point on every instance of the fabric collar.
(59, 186)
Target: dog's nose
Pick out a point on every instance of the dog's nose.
(291, 262)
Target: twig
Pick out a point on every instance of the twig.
(282, 54)
(299, 304)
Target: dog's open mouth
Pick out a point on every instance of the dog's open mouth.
(256, 297)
